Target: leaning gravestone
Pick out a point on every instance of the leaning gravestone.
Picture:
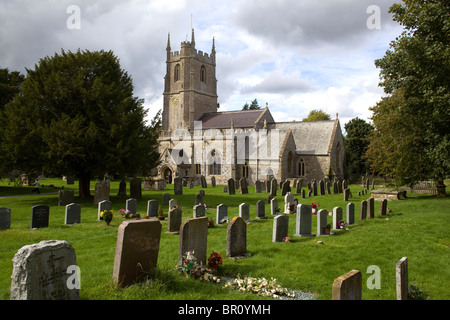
(237, 238)
(45, 271)
(260, 210)
(152, 208)
(136, 189)
(103, 205)
(178, 186)
(244, 211)
(303, 221)
(199, 211)
(193, 238)
(231, 187)
(174, 222)
(280, 228)
(73, 213)
(39, 216)
(5, 218)
(65, 197)
(221, 213)
(101, 191)
(134, 263)
(286, 187)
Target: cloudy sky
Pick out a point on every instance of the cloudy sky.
(295, 55)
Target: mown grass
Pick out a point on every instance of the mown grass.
(416, 228)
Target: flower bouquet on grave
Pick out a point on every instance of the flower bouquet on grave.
(107, 216)
(126, 214)
(341, 224)
(215, 260)
(314, 207)
(292, 208)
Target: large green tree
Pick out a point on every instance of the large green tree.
(358, 133)
(76, 115)
(10, 83)
(418, 64)
(317, 115)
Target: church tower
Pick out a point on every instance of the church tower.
(190, 85)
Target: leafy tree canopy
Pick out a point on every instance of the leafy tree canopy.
(317, 115)
(253, 106)
(10, 83)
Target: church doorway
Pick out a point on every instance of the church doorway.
(167, 174)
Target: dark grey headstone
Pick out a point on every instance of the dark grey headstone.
(39, 216)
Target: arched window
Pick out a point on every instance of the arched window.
(245, 170)
(301, 168)
(215, 165)
(203, 74)
(177, 73)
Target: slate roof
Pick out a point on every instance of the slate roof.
(222, 120)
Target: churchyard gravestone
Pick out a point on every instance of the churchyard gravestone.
(348, 286)
(328, 187)
(178, 186)
(174, 221)
(260, 210)
(383, 207)
(280, 228)
(303, 194)
(273, 187)
(346, 194)
(152, 208)
(203, 182)
(166, 198)
(314, 188)
(350, 213)
(199, 211)
(103, 205)
(321, 221)
(244, 211)
(274, 207)
(65, 197)
(221, 213)
(286, 187)
(5, 218)
(371, 207)
(198, 199)
(213, 181)
(134, 263)
(402, 278)
(288, 202)
(231, 189)
(321, 187)
(39, 216)
(225, 189)
(258, 186)
(136, 189)
(202, 193)
(131, 205)
(363, 210)
(303, 221)
(70, 180)
(243, 186)
(122, 193)
(267, 183)
(337, 216)
(193, 238)
(72, 213)
(101, 191)
(309, 193)
(45, 271)
(172, 203)
(237, 238)
(335, 187)
(298, 188)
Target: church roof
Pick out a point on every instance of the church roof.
(222, 120)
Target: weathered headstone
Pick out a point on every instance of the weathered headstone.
(5, 218)
(193, 238)
(335, 187)
(178, 186)
(103, 205)
(65, 197)
(280, 228)
(321, 221)
(314, 188)
(350, 213)
(328, 187)
(101, 191)
(134, 263)
(346, 194)
(131, 205)
(299, 186)
(286, 187)
(371, 207)
(303, 194)
(303, 221)
(152, 208)
(258, 186)
(122, 193)
(260, 210)
(213, 181)
(136, 189)
(402, 278)
(267, 183)
(221, 213)
(337, 216)
(203, 182)
(39, 216)
(348, 286)
(244, 211)
(41, 271)
(321, 187)
(383, 207)
(288, 202)
(274, 207)
(363, 210)
(72, 213)
(243, 186)
(273, 187)
(202, 193)
(174, 221)
(166, 198)
(237, 238)
(231, 188)
(199, 211)
(198, 199)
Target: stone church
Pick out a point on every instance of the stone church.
(196, 139)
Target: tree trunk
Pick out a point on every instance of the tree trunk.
(84, 186)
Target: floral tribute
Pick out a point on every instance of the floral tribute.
(107, 216)
(260, 286)
(192, 269)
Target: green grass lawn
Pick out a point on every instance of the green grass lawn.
(416, 228)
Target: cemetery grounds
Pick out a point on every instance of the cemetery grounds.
(415, 228)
